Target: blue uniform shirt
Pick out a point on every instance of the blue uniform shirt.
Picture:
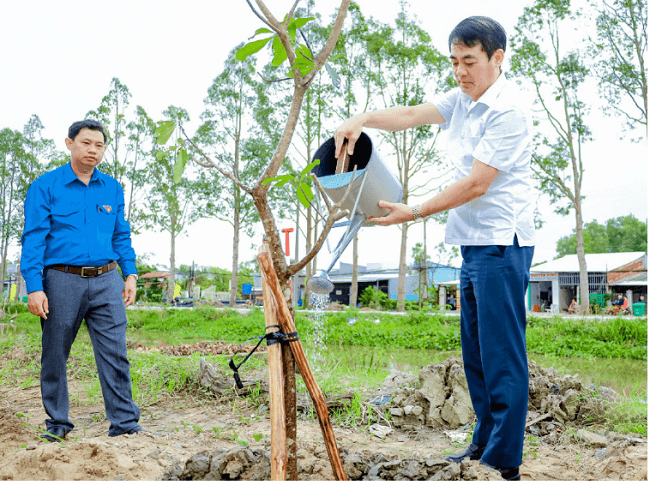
(69, 222)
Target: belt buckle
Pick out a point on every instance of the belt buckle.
(88, 267)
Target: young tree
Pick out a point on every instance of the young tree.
(402, 59)
(557, 77)
(620, 49)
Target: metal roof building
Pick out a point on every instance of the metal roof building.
(554, 284)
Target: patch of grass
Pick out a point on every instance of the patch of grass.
(631, 414)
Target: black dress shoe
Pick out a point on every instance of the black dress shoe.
(510, 474)
(473, 452)
(58, 432)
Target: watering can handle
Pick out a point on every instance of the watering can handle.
(343, 160)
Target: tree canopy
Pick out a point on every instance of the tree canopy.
(617, 235)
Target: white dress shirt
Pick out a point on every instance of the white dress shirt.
(495, 130)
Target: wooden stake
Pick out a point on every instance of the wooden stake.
(276, 390)
(343, 160)
(288, 326)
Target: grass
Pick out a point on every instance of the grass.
(156, 376)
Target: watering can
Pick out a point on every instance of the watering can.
(373, 181)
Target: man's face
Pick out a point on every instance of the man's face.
(472, 69)
(87, 149)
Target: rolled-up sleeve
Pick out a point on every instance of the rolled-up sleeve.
(33, 240)
(122, 238)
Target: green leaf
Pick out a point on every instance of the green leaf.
(281, 179)
(279, 52)
(179, 166)
(263, 30)
(251, 48)
(297, 23)
(303, 199)
(164, 131)
(308, 168)
(159, 155)
(306, 189)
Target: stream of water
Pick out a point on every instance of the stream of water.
(319, 303)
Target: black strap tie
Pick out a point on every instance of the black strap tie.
(272, 338)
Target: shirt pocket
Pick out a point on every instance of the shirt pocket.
(106, 216)
(66, 216)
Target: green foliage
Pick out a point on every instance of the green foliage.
(620, 234)
(302, 183)
(303, 56)
(583, 338)
(372, 298)
(618, 51)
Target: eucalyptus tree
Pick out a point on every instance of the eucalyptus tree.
(619, 50)
(227, 136)
(129, 143)
(14, 158)
(140, 146)
(173, 202)
(557, 77)
(402, 61)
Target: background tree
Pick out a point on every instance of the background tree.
(129, 142)
(402, 62)
(557, 77)
(172, 203)
(12, 156)
(617, 235)
(620, 47)
(225, 135)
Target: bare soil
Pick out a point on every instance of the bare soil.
(179, 430)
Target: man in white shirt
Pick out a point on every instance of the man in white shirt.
(491, 218)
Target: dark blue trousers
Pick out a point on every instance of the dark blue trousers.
(493, 283)
(99, 302)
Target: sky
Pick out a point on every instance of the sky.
(58, 59)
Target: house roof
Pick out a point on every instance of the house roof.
(596, 263)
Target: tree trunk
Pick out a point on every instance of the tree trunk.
(308, 268)
(235, 252)
(354, 287)
(172, 268)
(582, 262)
(401, 282)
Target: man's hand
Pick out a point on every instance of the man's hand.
(398, 213)
(349, 130)
(129, 290)
(37, 304)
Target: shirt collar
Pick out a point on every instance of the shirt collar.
(69, 175)
(492, 93)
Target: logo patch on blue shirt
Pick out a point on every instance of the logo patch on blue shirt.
(108, 208)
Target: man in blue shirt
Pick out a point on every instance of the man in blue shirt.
(490, 208)
(75, 236)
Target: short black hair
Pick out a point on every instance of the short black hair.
(480, 30)
(77, 126)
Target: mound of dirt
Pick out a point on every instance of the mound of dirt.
(441, 399)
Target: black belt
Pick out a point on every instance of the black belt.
(85, 271)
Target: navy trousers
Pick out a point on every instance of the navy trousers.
(493, 283)
(99, 302)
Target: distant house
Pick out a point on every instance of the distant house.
(554, 284)
(381, 276)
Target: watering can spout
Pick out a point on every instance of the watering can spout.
(321, 283)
